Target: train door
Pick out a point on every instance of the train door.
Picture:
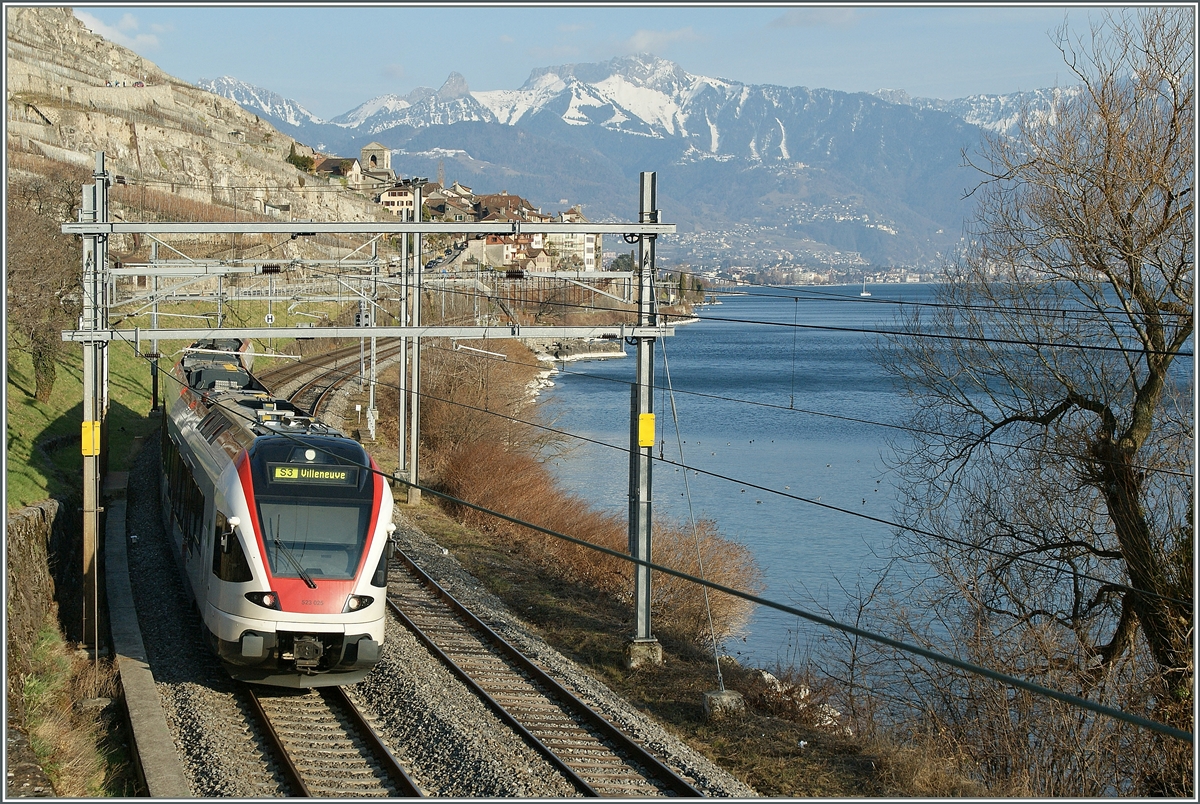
(213, 519)
(199, 568)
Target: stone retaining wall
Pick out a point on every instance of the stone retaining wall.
(30, 586)
(43, 576)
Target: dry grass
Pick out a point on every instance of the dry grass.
(80, 747)
(928, 768)
(783, 746)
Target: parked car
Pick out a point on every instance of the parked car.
(138, 84)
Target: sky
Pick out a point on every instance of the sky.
(332, 58)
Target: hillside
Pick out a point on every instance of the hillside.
(167, 135)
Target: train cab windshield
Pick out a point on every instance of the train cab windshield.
(314, 505)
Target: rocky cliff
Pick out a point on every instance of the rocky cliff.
(71, 93)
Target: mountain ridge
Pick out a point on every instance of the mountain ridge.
(875, 179)
(752, 174)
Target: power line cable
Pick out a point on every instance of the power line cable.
(904, 428)
(840, 417)
(810, 293)
(890, 333)
(786, 494)
(935, 656)
(944, 336)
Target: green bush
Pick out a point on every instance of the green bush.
(301, 161)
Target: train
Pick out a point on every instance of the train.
(281, 524)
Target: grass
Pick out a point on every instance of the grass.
(80, 748)
(42, 440)
(44, 459)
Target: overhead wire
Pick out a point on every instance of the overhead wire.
(900, 427)
(828, 622)
(788, 495)
(841, 417)
(692, 519)
(768, 405)
(1086, 347)
(813, 293)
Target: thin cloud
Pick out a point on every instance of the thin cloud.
(644, 41)
(123, 33)
(575, 27)
(392, 72)
(818, 18)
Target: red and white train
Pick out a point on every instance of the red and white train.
(282, 525)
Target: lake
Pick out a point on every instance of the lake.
(777, 414)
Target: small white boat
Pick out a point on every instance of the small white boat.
(865, 292)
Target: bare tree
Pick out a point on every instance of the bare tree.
(1049, 484)
(43, 269)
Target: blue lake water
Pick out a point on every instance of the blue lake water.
(808, 553)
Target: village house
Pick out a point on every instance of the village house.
(504, 207)
(340, 167)
(505, 251)
(536, 260)
(397, 200)
(575, 251)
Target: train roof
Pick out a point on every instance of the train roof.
(263, 415)
(234, 402)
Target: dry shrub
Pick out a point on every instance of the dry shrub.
(469, 396)
(788, 694)
(513, 482)
(932, 768)
(680, 604)
(66, 738)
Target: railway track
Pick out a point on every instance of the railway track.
(326, 747)
(596, 757)
(289, 371)
(589, 752)
(315, 393)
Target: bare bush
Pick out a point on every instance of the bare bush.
(512, 482)
(683, 605)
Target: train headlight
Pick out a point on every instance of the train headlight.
(357, 603)
(268, 600)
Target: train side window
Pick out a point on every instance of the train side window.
(177, 486)
(165, 453)
(229, 560)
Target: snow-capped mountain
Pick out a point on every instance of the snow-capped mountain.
(877, 175)
(998, 113)
(453, 103)
(261, 101)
